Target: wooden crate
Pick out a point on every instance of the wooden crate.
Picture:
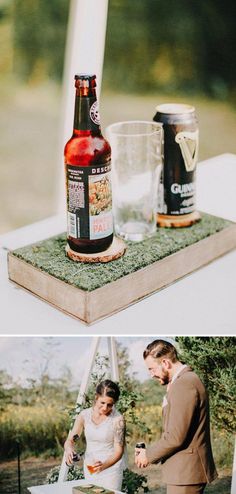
(93, 291)
(91, 489)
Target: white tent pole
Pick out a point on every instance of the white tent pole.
(84, 54)
(113, 358)
(80, 398)
(233, 485)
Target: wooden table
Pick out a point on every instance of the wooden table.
(202, 303)
(58, 487)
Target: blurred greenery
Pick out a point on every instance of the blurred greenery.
(184, 46)
(155, 51)
(214, 360)
(39, 38)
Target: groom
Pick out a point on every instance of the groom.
(184, 448)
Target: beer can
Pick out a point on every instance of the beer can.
(140, 445)
(177, 185)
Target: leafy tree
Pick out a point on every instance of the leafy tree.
(214, 360)
(5, 389)
(39, 37)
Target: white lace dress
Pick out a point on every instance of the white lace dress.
(100, 444)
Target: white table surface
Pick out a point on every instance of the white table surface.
(58, 487)
(203, 302)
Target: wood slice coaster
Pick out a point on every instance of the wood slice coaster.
(116, 250)
(171, 221)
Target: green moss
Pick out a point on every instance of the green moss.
(49, 255)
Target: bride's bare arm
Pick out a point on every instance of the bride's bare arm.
(119, 444)
(75, 432)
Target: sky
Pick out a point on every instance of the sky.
(24, 357)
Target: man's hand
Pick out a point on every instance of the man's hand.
(140, 458)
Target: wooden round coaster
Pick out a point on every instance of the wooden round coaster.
(171, 221)
(116, 250)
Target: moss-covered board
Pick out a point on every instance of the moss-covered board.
(92, 291)
(91, 489)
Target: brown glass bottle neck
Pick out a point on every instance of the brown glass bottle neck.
(85, 91)
(86, 116)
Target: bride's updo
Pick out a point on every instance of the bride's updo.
(108, 388)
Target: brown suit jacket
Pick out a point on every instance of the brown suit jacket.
(184, 448)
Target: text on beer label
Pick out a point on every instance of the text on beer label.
(183, 189)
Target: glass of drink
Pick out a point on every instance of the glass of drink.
(136, 156)
(90, 462)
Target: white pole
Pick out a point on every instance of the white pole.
(233, 485)
(80, 398)
(84, 54)
(113, 358)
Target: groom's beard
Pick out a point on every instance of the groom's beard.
(164, 378)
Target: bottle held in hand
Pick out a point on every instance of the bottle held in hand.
(76, 458)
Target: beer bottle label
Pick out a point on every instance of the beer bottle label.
(89, 201)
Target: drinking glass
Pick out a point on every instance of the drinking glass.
(90, 461)
(136, 155)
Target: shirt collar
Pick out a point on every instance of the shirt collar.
(177, 373)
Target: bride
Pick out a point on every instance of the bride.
(104, 429)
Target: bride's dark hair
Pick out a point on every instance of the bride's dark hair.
(108, 388)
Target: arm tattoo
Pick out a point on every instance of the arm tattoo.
(119, 431)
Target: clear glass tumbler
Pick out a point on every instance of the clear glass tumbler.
(136, 155)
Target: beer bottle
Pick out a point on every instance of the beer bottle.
(88, 175)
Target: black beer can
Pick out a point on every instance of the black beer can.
(177, 186)
(140, 445)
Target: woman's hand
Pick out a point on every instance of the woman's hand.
(73, 435)
(98, 466)
(69, 452)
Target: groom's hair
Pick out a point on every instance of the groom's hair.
(161, 348)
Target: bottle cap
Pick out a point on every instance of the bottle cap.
(85, 77)
(85, 81)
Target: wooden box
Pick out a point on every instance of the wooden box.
(90, 489)
(93, 291)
